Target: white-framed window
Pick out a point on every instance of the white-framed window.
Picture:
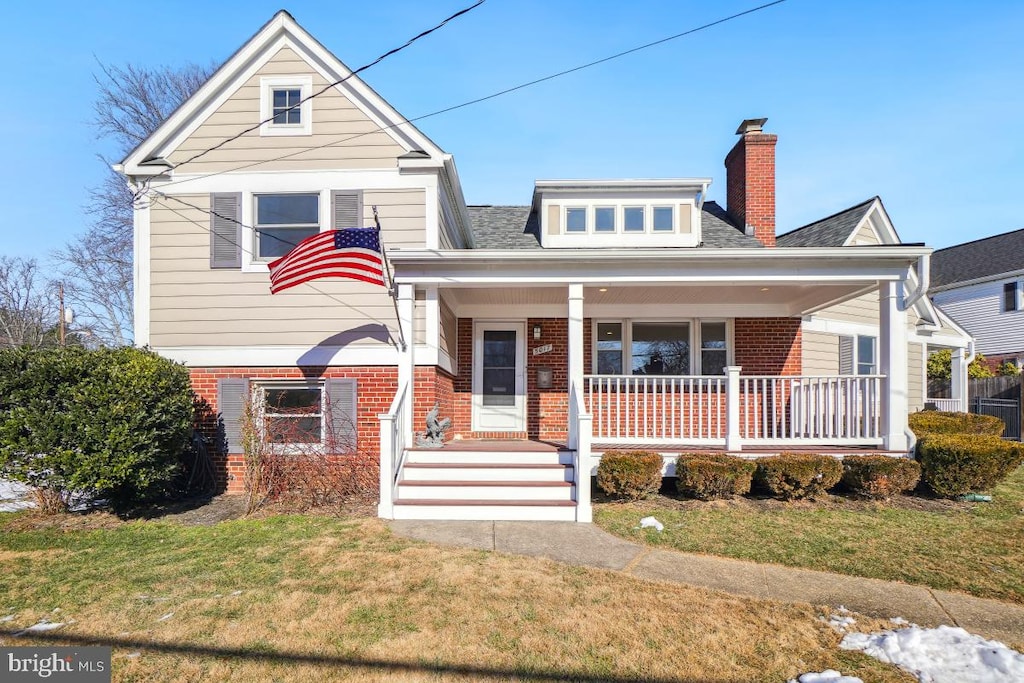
(663, 219)
(279, 96)
(607, 218)
(1011, 296)
(282, 221)
(672, 347)
(291, 413)
(576, 219)
(858, 355)
(633, 218)
(604, 219)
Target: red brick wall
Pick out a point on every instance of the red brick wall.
(376, 388)
(546, 409)
(750, 184)
(768, 346)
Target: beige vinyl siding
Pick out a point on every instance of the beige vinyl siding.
(192, 305)
(333, 144)
(444, 234)
(863, 309)
(865, 236)
(915, 376)
(448, 330)
(820, 353)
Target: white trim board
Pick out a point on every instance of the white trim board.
(290, 356)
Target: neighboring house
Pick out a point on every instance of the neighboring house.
(606, 313)
(981, 285)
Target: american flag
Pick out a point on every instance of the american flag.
(352, 253)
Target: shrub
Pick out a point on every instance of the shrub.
(937, 422)
(798, 475)
(629, 475)
(880, 476)
(707, 475)
(107, 423)
(954, 464)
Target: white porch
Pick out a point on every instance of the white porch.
(734, 412)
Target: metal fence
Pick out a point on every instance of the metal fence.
(1006, 409)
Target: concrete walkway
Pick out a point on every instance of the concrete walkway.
(587, 545)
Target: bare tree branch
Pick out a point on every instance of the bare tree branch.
(96, 265)
(28, 312)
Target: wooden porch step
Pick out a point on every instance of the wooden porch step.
(483, 482)
(484, 465)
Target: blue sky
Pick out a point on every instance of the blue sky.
(916, 102)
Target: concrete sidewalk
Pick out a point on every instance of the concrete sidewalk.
(588, 545)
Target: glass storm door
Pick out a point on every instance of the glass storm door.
(499, 386)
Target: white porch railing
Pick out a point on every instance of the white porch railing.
(657, 408)
(951, 405)
(580, 433)
(838, 409)
(394, 429)
(733, 410)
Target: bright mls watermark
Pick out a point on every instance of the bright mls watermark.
(72, 664)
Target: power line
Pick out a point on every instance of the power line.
(486, 97)
(332, 85)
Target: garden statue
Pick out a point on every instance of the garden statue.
(434, 436)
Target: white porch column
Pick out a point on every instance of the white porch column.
(406, 361)
(733, 441)
(958, 378)
(892, 356)
(576, 345)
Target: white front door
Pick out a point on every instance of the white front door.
(499, 377)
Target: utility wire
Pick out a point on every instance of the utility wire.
(468, 103)
(332, 85)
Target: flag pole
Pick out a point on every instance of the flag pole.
(392, 289)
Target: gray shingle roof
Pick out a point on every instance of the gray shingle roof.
(832, 231)
(516, 227)
(988, 257)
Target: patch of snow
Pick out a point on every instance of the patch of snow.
(41, 627)
(133, 655)
(826, 676)
(841, 623)
(9, 617)
(236, 592)
(900, 621)
(651, 522)
(166, 616)
(14, 496)
(946, 654)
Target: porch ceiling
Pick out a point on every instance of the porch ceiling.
(745, 299)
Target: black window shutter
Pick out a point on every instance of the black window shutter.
(845, 355)
(341, 406)
(231, 397)
(226, 230)
(347, 209)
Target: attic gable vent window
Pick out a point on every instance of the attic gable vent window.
(278, 96)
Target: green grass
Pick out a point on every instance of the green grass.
(975, 548)
(293, 598)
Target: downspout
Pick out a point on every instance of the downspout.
(923, 280)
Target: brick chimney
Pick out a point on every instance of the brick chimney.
(750, 181)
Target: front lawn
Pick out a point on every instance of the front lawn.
(313, 598)
(973, 547)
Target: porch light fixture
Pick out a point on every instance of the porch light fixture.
(536, 331)
(765, 289)
(603, 289)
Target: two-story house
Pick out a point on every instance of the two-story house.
(601, 314)
(981, 285)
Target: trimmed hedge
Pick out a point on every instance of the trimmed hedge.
(955, 464)
(880, 476)
(937, 422)
(629, 475)
(711, 475)
(798, 475)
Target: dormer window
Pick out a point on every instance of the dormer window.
(576, 219)
(577, 214)
(285, 105)
(633, 218)
(663, 219)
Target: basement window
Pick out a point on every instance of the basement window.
(292, 412)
